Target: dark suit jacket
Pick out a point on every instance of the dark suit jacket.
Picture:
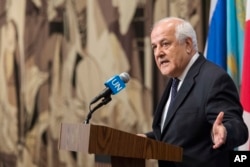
(206, 90)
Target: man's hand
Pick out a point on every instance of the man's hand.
(219, 132)
(142, 135)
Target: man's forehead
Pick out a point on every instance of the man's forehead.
(161, 31)
(166, 26)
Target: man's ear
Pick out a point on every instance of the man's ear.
(189, 45)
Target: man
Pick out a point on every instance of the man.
(205, 116)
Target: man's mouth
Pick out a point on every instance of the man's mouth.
(164, 62)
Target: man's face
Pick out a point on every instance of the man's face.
(171, 56)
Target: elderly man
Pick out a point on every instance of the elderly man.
(200, 108)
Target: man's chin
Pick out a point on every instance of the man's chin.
(164, 73)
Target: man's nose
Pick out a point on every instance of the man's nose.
(159, 52)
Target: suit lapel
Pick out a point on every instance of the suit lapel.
(181, 95)
(184, 91)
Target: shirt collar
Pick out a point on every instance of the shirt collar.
(190, 63)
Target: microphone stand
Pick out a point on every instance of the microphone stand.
(91, 111)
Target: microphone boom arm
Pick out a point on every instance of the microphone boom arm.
(104, 101)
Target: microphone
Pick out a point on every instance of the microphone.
(113, 86)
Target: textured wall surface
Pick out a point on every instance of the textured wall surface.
(55, 56)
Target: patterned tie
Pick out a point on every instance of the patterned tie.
(174, 89)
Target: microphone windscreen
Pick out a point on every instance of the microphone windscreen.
(124, 76)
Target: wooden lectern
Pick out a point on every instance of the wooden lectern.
(125, 149)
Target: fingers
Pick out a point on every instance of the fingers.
(219, 131)
(141, 135)
(215, 146)
(219, 141)
(219, 118)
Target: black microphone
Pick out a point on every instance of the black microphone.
(113, 86)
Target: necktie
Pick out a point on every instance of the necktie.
(174, 89)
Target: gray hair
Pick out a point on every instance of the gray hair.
(183, 31)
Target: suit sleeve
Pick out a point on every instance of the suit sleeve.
(150, 135)
(224, 97)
